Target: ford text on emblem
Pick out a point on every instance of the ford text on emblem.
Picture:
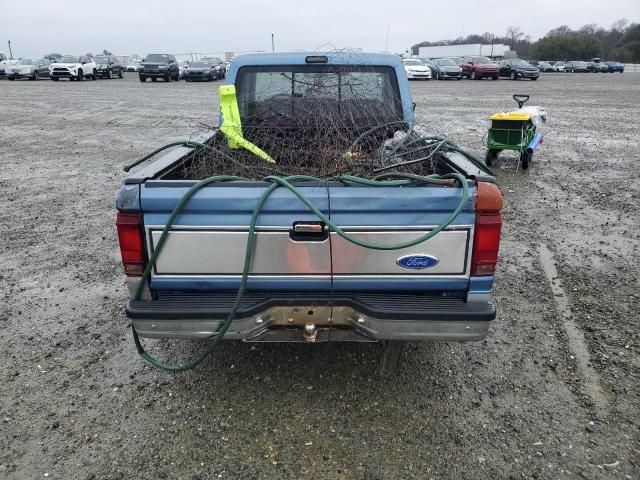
(417, 262)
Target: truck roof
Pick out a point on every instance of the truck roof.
(334, 58)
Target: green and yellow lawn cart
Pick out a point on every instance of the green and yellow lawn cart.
(515, 131)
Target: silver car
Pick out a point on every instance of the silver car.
(28, 68)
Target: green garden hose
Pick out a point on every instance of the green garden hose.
(285, 182)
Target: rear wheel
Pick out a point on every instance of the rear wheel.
(514, 76)
(36, 75)
(94, 75)
(491, 157)
(109, 74)
(120, 73)
(494, 78)
(474, 76)
(142, 79)
(80, 75)
(525, 159)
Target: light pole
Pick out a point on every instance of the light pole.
(10, 53)
(386, 46)
(273, 44)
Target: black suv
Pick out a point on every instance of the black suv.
(218, 66)
(159, 65)
(108, 66)
(516, 68)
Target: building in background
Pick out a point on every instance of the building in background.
(496, 51)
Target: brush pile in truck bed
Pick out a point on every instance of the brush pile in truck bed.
(321, 148)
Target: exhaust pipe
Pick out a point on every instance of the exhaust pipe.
(535, 142)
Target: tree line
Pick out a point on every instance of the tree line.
(619, 42)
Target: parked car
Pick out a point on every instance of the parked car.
(416, 69)
(200, 71)
(558, 66)
(615, 67)
(28, 68)
(108, 66)
(596, 65)
(159, 65)
(517, 68)
(446, 68)
(5, 63)
(74, 68)
(182, 64)
(218, 66)
(131, 67)
(576, 66)
(477, 68)
(545, 67)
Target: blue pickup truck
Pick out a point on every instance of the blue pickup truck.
(306, 281)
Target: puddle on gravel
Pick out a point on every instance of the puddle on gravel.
(575, 336)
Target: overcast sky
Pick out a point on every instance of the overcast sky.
(38, 27)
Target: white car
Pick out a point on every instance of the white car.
(5, 63)
(74, 68)
(416, 69)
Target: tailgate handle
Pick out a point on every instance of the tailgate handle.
(309, 232)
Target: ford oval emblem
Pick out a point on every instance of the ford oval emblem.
(417, 262)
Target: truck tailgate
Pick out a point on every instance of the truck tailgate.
(205, 249)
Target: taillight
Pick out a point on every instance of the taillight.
(486, 241)
(131, 240)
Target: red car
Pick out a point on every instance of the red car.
(477, 68)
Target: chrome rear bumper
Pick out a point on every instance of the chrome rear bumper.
(364, 318)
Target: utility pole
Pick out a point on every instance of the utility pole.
(10, 53)
(386, 46)
(273, 44)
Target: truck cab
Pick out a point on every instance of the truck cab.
(308, 282)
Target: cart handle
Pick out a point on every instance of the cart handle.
(520, 99)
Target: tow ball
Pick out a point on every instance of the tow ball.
(310, 332)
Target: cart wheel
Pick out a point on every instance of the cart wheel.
(525, 159)
(491, 157)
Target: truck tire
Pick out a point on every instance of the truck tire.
(391, 357)
(525, 159)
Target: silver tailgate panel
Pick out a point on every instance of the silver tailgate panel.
(223, 253)
(449, 247)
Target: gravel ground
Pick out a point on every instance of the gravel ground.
(551, 393)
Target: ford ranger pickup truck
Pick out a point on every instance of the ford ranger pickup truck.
(306, 282)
